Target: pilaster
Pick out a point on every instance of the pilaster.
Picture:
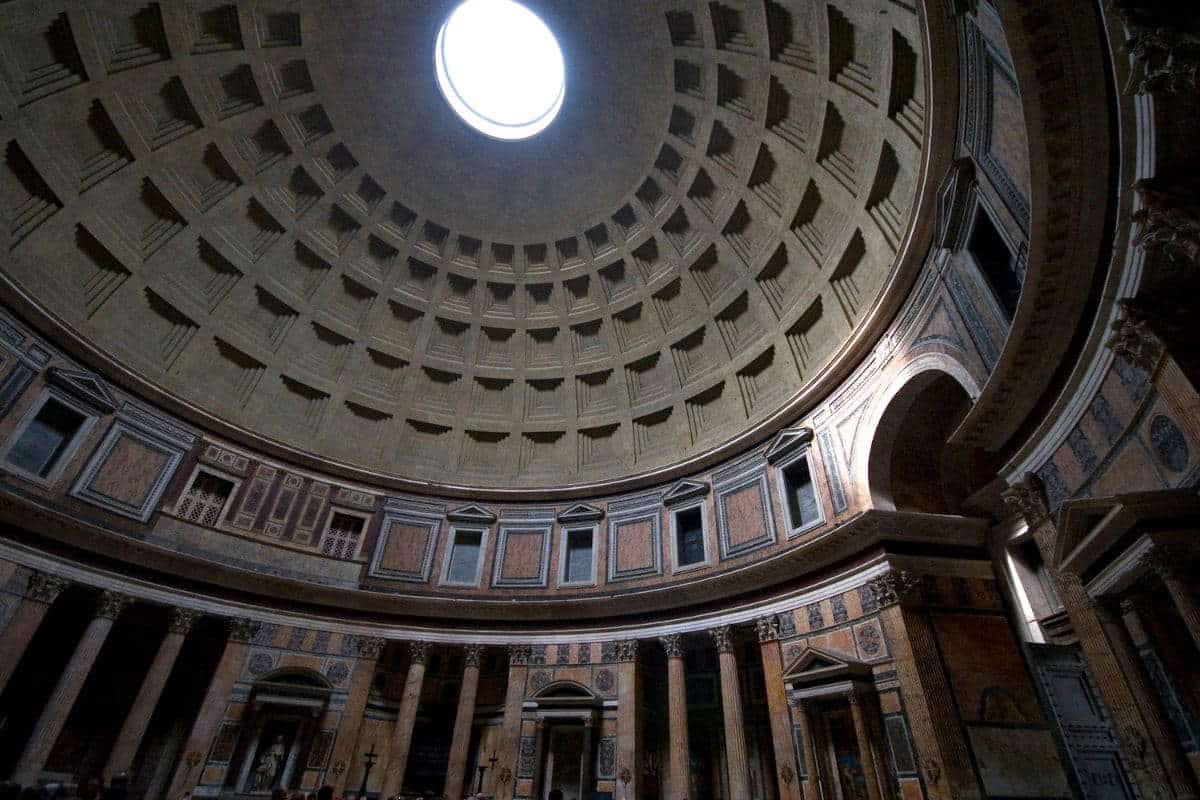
(406, 719)
(345, 749)
(781, 738)
(731, 704)
(464, 718)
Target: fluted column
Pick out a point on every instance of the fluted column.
(406, 719)
(1175, 570)
(345, 749)
(629, 727)
(138, 718)
(50, 724)
(212, 709)
(1163, 739)
(812, 768)
(40, 594)
(781, 735)
(677, 715)
(464, 719)
(510, 727)
(731, 705)
(862, 736)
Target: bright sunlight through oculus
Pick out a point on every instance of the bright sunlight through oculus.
(500, 68)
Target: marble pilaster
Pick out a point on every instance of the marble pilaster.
(781, 737)
(40, 594)
(54, 715)
(345, 748)
(138, 719)
(629, 745)
(212, 709)
(866, 751)
(510, 726)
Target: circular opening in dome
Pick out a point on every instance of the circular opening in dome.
(500, 68)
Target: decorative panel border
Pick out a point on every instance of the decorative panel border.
(429, 520)
(134, 424)
(646, 508)
(755, 475)
(525, 521)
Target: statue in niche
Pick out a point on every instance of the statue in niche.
(268, 766)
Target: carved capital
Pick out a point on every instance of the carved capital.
(767, 628)
(242, 630)
(854, 696)
(895, 587)
(518, 655)
(722, 638)
(45, 588)
(1028, 498)
(370, 647)
(472, 653)
(182, 620)
(1133, 340)
(109, 605)
(626, 650)
(672, 645)
(418, 651)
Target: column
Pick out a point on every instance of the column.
(940, 738)
(629, 728)
(781, 726)
(345, 749)
(212, 709)
(393, 780)
(50, 724)
(464, 719)
(1172, 566)
(677, 716)
(731, 705)
(862, 736)
(1162, 735)
(40, 594)
(585, 761)
(804, 713)
(138, 719)
(510, 727)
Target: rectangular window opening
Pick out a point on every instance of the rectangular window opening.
(465, 553)
(577, 567)
(689, 537)
(46, 439)
(205, 499)
(996, 261)
(341, 540)
(801, 494)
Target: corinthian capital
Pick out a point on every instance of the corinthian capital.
(1028, 498)
(1133, 340)
(672, 645)
(767, 628)
(182, 620)
(111, 604)
(242, 630)
(45, 588)
(370, 647)
(471, 654)
(722, 638)
(895, 587)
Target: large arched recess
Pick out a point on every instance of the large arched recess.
(910, 465)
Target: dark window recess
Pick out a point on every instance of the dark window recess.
(579, 557)
(464, 557)
(801, 494)
(996, 261)
(689, 537)
(46, 438)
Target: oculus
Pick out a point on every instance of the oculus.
(500, 68)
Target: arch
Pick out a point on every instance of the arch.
(300, 677)
(902, 455)
(565, 690)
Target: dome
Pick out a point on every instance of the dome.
(711, 233)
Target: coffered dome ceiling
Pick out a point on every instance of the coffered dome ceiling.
(269, 217)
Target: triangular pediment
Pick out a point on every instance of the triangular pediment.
(788, 442)
(84, 386)
(581, 512)
(472, 513)
(685, 490)
(814, 665)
